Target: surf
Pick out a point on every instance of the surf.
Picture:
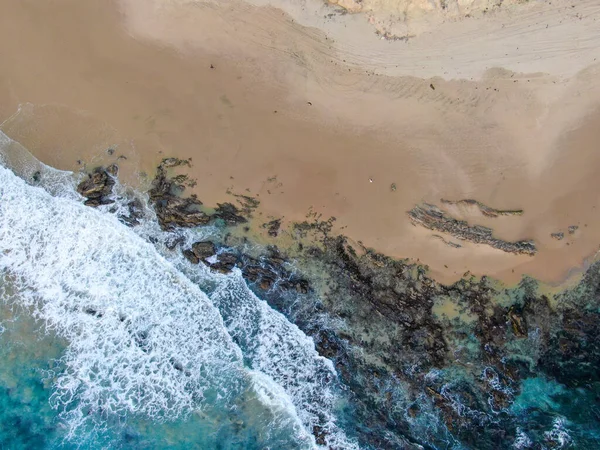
(143, 338)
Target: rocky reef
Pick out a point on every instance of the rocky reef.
(174, 210)
(470, 365)
(171, 209)
(433, 218)
(424, 360)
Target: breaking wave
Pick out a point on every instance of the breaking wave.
(143, 338)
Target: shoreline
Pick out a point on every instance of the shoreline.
(301, 133)
(400, 341)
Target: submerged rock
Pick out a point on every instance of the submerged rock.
(272, 227)
(519, 327)
(229, 214)
(135, 213)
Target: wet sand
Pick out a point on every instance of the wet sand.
(305, 121)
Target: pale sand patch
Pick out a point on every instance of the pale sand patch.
(138, 78)
(558, 37)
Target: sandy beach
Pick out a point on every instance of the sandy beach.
(307, 108)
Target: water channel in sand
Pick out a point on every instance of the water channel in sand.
(300, 118)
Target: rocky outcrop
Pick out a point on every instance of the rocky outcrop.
(171, 209)
(269, 271)
(200, 251)
(97, 188)
(517, 322)
(174, 210)
(204, 249)
(433, 218)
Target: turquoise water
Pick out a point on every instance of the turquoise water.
(111, 339)
(132, 347)
(27, 419)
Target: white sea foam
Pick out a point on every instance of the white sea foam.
(559, 434)
(522, 440)
(27, 167)
(278, 348)
(273, 347)
(143, 338)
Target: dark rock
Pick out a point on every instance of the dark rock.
(171, 244)
(191, 257)
(559, 236)
(327, 344)
(113, 170)
(97, 188)
(273, 227)
(320, 435)
(255, 271)
(203, 250)
(573, 228)
(168, 163)
(433, 218)
(229, 214)
(413, 410)
(225, 262)
(266, 283)
(93, 312)
(302, 286)
(518, 324)
(174, 211)
(247, 204)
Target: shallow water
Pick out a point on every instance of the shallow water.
(109, 338)
(134, 342)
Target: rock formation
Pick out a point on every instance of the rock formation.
(97, 187)
(433, 218)
(171, 209)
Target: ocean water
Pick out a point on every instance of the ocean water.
(108, 340)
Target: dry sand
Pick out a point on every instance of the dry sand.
(304, 109)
